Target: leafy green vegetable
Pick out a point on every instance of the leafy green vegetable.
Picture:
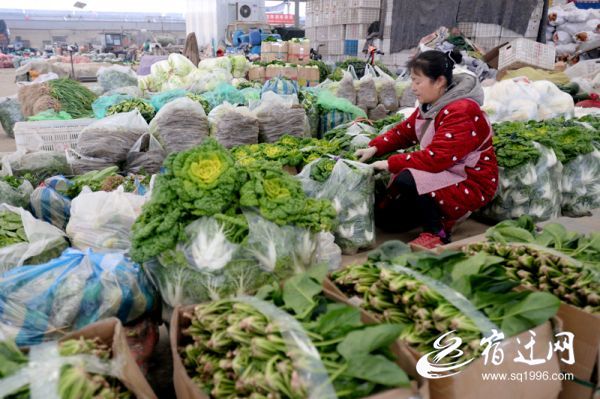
(232, 349)
(146, 109)
(75, 99)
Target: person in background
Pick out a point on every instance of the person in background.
(147, 46)
(454, 172)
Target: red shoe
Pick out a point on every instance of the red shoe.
(427, 240)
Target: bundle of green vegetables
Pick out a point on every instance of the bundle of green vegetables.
(11, 229)
(206, 181)
(146, 109)
(75, 99)
(422, 295)
(554, 260)
(236, 349)
(352, 135)
(201, 100)
(74, 382)
(106, 179)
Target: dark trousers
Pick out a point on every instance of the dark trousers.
(402, 208)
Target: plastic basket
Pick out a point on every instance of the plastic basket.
(335, 47)
(351, 47)
(336, 32)
(49, 135)
(522, 52)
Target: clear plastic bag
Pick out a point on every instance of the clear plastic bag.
(81, 164)
(131, 91)
(351, 188)
(581, 185)
(116, 76)
(111, 138)
(233, 126)
(102, 104)
(180, 125)
(10, 113)
(48, 203)
(70, 292)
(531, 189)
(146, 155)
(346, 88)
(15, 196)
(38, 165)
(280, 115)
(102, 220)
(366, 97)
(386, 89)
(44, 242)
(377, 113)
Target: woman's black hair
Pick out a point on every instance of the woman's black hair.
(434, 64)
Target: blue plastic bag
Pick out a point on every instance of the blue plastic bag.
(50, 204)
(42, 302)
(280, 86)
(102, 104)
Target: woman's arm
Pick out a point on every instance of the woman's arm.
(456, 136)
(401, 136)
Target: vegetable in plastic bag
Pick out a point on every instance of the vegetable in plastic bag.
(280, 85)
(233, 126)
(366, 97)
(15, 191)
(280, 115)
(144, 107)
(24, 240)
(43, 302)
(37, 166)
(146, 155)
(102, 104)
(377, 113)
(581, 185)
(346, 87)
(111, 138)
(10, 113)
(161, 99)
(351, 187)
(386, 88)
(217, 63)
(239, 66)
(532, 189)
(116, 76)
(224, 93)
(180, 125)
(102, 220)
(80, 164)
(180, 65)
(50, 203)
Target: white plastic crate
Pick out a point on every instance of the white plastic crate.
(356, 31)
(322, 33)
(310, 33)
(523, 52)
(361, 15)
(368, 3)
(49, 135)
(336, 32)
(335, 47)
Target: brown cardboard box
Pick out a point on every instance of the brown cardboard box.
(186, 389)
(274, 51)
(273, 71)
(469, 384)
(492, 56)
(299, 53)
(290, 72)
(110, 332)
(256, 74)
(586, 344)
(308, 77)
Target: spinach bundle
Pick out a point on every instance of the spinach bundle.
(15, 191)
(75, 382)
(237, 348)
(146, 109)
(427, 300)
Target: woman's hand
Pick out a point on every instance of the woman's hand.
(380, 165)
(364, 154)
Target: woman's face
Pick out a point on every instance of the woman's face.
(426, 89)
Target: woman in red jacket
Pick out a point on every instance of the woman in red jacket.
(455, 171)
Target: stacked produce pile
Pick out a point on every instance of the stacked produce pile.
(553, 260)
(570, 26)
(427, 293)
(59, 95)
(546, 168)
(292, 342)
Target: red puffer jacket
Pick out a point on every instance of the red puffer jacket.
(460, 128)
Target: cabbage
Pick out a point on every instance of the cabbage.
(213, 64)
(161, 69)
(239, 66)
(180, 64)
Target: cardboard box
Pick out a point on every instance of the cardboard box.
(308, 77)
(299, 53)
(273, 71)
(274, 51)
(256, 74)
(290, 72)
(469, 383)
(186, 389)
(492, 56)
(586, 328)
(110, 332)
